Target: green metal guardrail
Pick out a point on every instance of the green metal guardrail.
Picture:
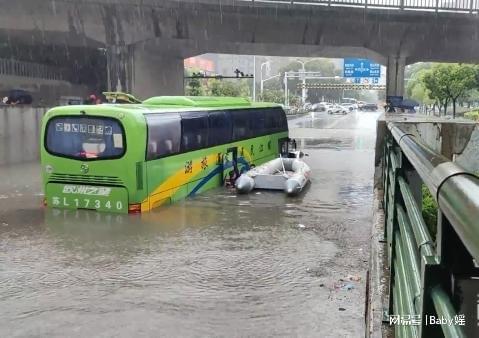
(426, 274)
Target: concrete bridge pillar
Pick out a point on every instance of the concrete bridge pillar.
(119, 60)
(144, 73)
(395, 76)
(155, 74)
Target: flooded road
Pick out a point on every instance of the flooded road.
(217, 265)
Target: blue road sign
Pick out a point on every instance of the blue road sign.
(361, 68)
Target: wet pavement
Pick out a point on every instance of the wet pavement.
(217, 265)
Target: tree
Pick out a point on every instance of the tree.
(194, 88)
(462, 79)
(229, 88)
(324, 66)
(272, 95)
(416, 88)
(435, 81)
(450, 82)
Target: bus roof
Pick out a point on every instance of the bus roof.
(197, 101)
(161, 104)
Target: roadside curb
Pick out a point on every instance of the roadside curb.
(377, 293)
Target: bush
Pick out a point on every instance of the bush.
(429, 211)
(473, 115)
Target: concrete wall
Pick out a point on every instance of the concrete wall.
(457, 140)
(20, 134)
(43, 91)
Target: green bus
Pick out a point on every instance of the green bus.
(131, 158)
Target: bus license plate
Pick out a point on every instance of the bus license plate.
(100, 198)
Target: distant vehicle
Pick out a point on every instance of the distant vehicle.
(351, 103)
(322, 106)
(337, 109)
(319, 107)
(350, 106)
(70, 100)
(307, 106)
(369, 107)
(19, 96)
(361, 104)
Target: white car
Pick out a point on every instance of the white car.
(350, 106)
(337, 109)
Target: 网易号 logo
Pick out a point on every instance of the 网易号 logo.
(86, 190)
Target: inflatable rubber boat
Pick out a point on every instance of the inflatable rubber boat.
(288, 174)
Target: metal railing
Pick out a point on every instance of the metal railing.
(426, 268)
(31, 69)
(460, 6)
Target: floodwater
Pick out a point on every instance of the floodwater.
(218, 265)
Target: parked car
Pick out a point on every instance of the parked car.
(319, 107)
(19, 96)
(307, 107)
(337, 109)
(350, 106)
(369, 107)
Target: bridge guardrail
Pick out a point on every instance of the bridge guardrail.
(30, 69)
(427, 274)
(461, 6)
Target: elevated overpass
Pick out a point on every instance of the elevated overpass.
(146, 41)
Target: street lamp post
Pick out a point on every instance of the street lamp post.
(303, 90)
(303, 70)
(269, 78)
(254, 78)
(261, 75)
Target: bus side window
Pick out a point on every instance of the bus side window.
(164, 135)
(269, 121)
(257, 122)
(283, 122)
(275, 121)
(220, 128)
(241, 124)
(194, 129)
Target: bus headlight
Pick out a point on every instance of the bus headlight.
(48, 169)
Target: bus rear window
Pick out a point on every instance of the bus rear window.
(85, 138)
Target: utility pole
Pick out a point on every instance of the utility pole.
(303, 90)
(254, 78)
(263, 81)
(261, 75)
(286, 103)
(303, 70)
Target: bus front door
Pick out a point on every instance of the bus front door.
(230, 165)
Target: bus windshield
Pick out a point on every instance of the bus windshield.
(85, 137)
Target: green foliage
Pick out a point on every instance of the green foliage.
(194, 88)
(324, 66)
(416, 88)
(229, 88)
(448, 82)
(412, 70)
(473, 115)
(429, 211)
(272, 95)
